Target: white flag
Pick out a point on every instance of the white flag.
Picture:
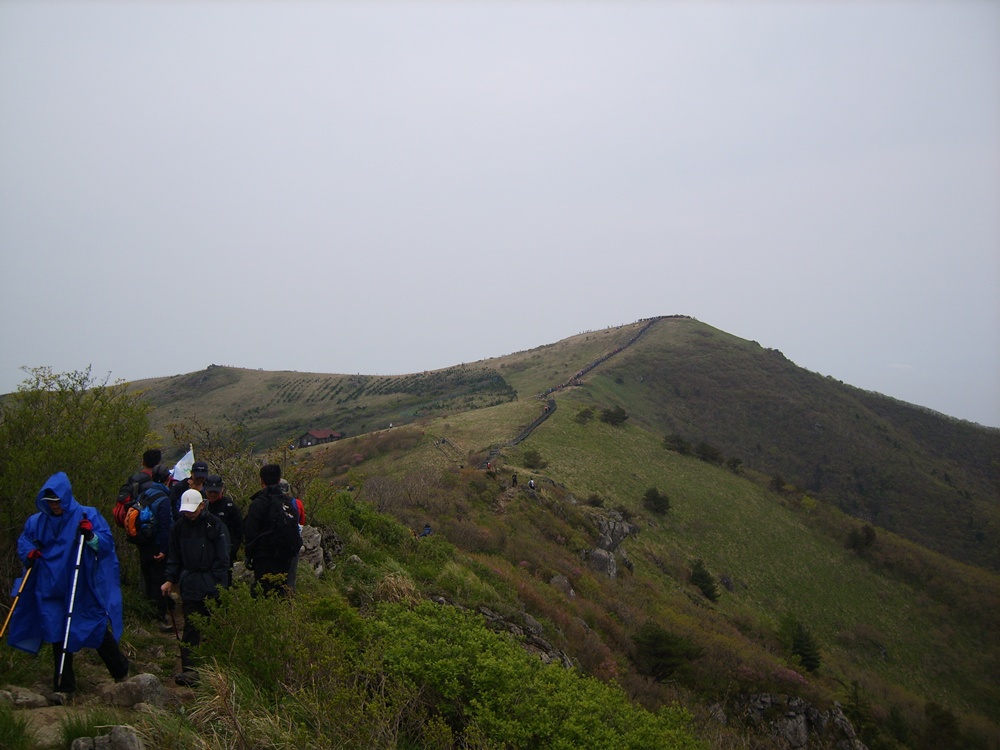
(182, 469)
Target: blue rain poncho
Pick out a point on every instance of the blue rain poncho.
(40, 616)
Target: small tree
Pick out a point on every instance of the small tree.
(708, 453)
(704, 580)
(532, 459)
(677, 444)
(614, 417)
(656, 501)
(861, 540)
(806, 648)
(660, 654)
(584, 415)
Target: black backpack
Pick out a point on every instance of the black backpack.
(282, 540)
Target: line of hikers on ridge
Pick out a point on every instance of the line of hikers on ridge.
(187, 535)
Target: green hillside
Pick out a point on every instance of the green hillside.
(903, 624)
(922, 475)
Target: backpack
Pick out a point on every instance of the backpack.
(128, 494)
(283, 540)
(140, 516)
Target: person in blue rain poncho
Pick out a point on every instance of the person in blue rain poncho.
(49, 545)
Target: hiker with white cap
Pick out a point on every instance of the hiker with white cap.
(198, 561)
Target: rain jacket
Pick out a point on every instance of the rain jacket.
(40, 615)
(199, 556)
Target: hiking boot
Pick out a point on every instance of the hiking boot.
(188, 678)
(165, 625)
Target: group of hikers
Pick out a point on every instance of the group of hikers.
(187, 534)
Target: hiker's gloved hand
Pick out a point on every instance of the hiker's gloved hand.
(35, 554)
(87, 529)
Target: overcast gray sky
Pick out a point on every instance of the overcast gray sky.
(389, 187)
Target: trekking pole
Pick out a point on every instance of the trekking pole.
(173, 619)
(20, 588)
(72, 601)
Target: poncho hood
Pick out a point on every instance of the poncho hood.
(59, 484)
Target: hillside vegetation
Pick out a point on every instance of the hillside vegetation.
(811, 505)
(927, 477)
(706, 524)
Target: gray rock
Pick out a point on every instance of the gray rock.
(793, 721)
(120, 738)
(312, 550)
(603, 562)
(532, 625)
(562, 583)
(20, 697)
(143, 688)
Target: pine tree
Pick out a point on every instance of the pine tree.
(704, 580)
(805, 647)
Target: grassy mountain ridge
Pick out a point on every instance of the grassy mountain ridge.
(904, 624)
(930, 478)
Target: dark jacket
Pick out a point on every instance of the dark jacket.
(164, 522)
(199, 556)
(257, 524)
(225, 510)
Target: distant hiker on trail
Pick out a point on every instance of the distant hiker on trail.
(199, 561)
(135, 484)
(531, 484)
(147, 525)
(513, 480)
(426, 531)
(271, 531)
(222, 507)
(293, 567)
(199, 473)
(71, 596)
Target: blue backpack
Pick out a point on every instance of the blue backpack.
(140, 516)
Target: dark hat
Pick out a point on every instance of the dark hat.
(160, 473)
(199, 469)
(270, 474)
(213, 483)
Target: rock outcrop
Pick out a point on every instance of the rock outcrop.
(792, 721)
(614, 530)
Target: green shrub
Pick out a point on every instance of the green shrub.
(660, 654)
(460, 582)
(677, 444)
(484, 685)
(704, 580)
(614, 417)
(260, 638)
(532, 459)
(656, 501)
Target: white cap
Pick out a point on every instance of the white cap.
(190, 500)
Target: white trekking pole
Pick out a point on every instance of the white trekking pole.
(69, 615)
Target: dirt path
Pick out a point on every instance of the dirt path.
(92, 679)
